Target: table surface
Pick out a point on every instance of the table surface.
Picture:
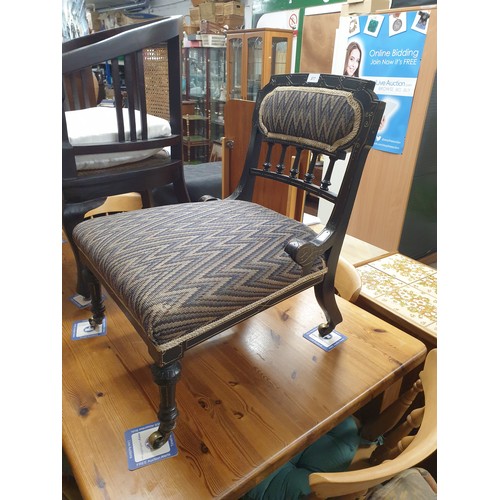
(249, 399)
(358, 252)
(403, 291)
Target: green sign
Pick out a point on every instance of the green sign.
(263, 6)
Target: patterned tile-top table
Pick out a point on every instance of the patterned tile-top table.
(402, 290)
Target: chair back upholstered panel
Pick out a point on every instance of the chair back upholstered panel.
(331, 116)
(324, 119)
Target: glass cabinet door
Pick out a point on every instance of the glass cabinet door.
(278, 56)
(204, 97)
(216, 91)
(217, 72)
(235, 64)
(194, 78)
(253, 56)
(254, 66)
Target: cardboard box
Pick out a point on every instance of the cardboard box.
(233, 22)
(233, 8)
(194, 14)
(192, 44)
(207, 11)
(190, 29)
(94, 21)
(361, 7)
(219, 9)
(207, 27)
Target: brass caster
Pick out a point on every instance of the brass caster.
(324, 329)
(157, 440)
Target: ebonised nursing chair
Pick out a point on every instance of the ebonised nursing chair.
(183, 273)
(134, 146)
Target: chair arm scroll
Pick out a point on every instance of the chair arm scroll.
(302, 252)
(305, 253)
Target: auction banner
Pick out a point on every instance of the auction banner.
(386, 48)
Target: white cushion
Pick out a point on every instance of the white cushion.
(98, 125)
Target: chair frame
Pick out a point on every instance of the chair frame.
(327, 244)
(84, 191)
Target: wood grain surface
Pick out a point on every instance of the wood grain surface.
(249, 399)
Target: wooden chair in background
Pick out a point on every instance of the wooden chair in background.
(401, 449)
(347, 280)
(129, 148)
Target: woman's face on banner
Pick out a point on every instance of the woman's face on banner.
(353, 61)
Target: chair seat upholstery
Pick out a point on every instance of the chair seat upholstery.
(181, 269)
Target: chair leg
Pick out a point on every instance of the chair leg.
(180, 189)
(166, 377)
(325, 295)
(97, 304)
(72, 215)
(147, 199)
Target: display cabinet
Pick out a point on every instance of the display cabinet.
(253, 56)
(195, 135)
(204, 88)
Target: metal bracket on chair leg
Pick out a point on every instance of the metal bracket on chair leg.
(166, 377)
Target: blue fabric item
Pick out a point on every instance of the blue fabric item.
(332, 452)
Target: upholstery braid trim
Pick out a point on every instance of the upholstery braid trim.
(200, 331)
(297, 114)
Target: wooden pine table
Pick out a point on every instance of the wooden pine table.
(249, 399)
(358, 252)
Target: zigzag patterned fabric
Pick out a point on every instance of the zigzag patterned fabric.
(313, 117)
(181, 268)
